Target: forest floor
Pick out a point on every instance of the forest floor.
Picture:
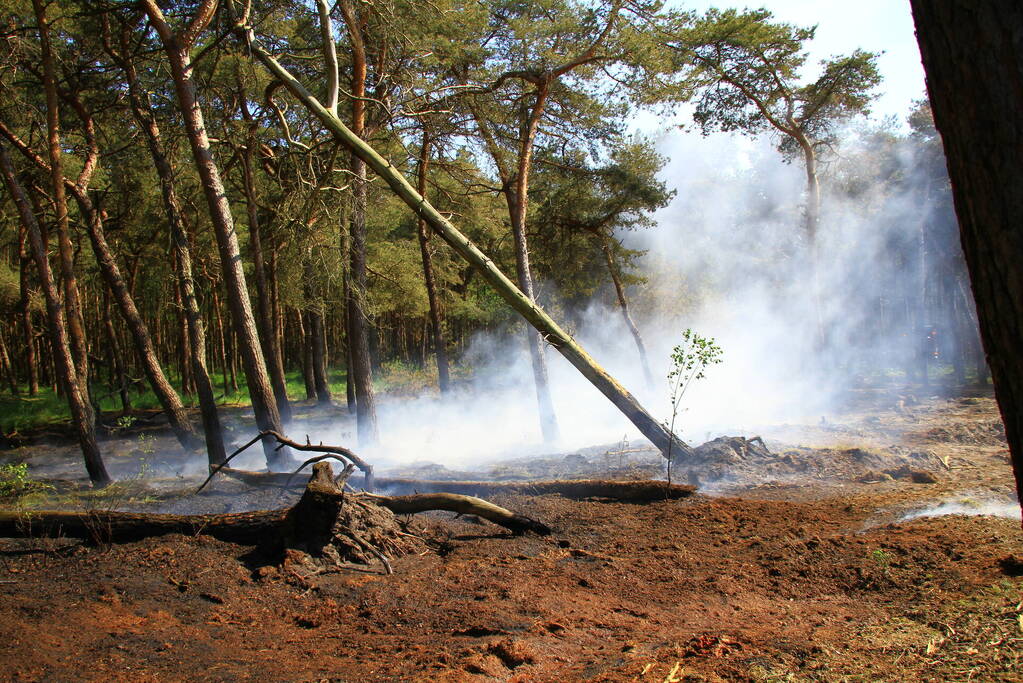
(881, 544)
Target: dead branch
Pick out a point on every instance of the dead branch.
(338, 452)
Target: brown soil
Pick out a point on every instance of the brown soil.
(798, 568)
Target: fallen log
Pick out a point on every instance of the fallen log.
(463, 505)
(642, 491)
(310, 525)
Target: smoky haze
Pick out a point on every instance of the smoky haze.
(728, 259)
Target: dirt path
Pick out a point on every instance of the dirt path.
(794, 577)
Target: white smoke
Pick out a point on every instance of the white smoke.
(726, 259)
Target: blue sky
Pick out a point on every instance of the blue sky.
(842, 26)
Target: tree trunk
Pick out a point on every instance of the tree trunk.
(973, 56)
(267, 333)
(623, 303)
(194, 326)
(7, 366)
(81, 411)
(319, 357)
(25, 313)
(517, 197)
(528, 309)
(165, 394)
(261, 394)
(811, 227)
(115, 359)
(307, 355)
(436, 323)
(72, 300)
(361, 368)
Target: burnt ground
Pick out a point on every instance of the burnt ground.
(819, 559)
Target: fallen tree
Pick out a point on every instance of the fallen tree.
(638, 491)
(554, 335)
(325, 522)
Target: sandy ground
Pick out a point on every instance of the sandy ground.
(831, 558)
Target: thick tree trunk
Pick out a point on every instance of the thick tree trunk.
(623, 303)
(528, 309)
(260, 392)
(436, 322)
(973, 56)
(81, 411)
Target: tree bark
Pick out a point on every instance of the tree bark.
(81, 412)
(973, 56)
(115, 359)
(260, 392)
(307, 354)
(111, 272)
(436, 322)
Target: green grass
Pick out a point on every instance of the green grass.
(23, 413)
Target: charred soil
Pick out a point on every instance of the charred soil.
(810, 561)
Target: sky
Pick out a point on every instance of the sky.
(842, 26)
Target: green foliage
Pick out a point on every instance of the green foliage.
(15, 482)
(750, 75)
(689, 360)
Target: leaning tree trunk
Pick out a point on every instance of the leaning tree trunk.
(973, 56)
(527, 308)
(111, 272)
(264, 405)
(81, 413)
(194, 325)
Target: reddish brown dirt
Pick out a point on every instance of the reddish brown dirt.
(779, 581)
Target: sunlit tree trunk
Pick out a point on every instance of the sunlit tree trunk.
(358, 321)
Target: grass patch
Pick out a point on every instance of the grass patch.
(19, 414)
